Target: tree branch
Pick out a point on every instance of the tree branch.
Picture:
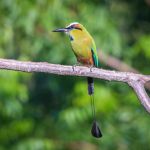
(141, 93)
(136, 81)
(118, 65)
(115, 62)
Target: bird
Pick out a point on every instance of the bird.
(84, 48)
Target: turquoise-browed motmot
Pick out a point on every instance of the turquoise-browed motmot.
(85, 51)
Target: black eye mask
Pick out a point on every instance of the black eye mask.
(73, 27)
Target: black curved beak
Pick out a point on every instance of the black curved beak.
(61, 30)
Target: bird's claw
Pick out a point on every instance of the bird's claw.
(73, 67)
(91, 68)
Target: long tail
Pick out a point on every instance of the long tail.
(95, 128)
(90, 85)
(91, 93)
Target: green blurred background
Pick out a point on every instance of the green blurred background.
(48, 112)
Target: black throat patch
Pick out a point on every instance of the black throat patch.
(71, 38)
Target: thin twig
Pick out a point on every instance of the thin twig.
(137, 81)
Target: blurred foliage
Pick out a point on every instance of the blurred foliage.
(47, 112)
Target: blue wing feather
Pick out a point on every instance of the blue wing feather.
(95, 59)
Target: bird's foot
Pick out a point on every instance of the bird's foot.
(73, 67)
(91, 68)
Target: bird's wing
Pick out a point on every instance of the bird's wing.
(94, 54)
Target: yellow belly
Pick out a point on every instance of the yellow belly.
(81, 45)
(82, 51)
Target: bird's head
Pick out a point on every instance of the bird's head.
(75, 26)
(75, 30)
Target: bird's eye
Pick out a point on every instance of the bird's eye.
(73, 27)
(70, 27)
